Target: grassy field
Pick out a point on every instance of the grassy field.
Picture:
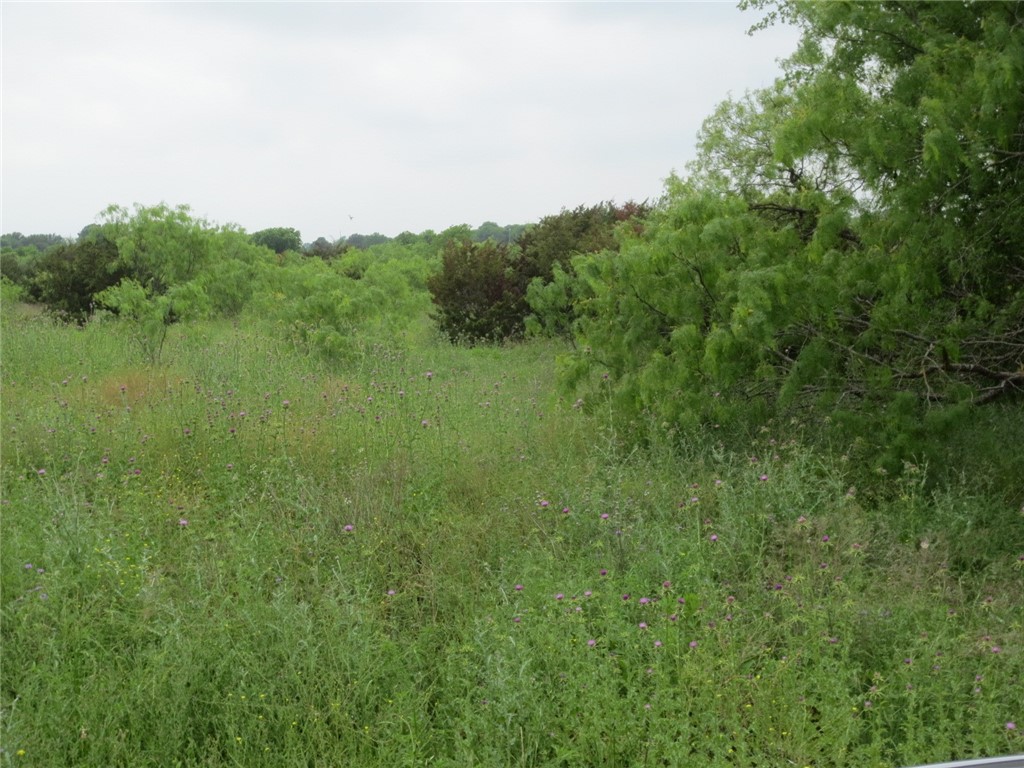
(246, 557)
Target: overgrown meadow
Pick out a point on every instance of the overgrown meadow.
(427, 556)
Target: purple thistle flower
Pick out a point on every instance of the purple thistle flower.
(642, 625)
(182, 522)
(657, 643)
(519, 587)
(349, 528)
(603, 571)
(713, 537)
(559, 596)
(693, 643)
(644, 600)
(763, 478)
(591, 642)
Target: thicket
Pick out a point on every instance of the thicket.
(481, 290)
(845, 252)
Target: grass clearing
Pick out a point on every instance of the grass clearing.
(248, 557)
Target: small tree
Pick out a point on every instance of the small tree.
(479, 293)
(163, 252)
(278, 239)
(68, 277)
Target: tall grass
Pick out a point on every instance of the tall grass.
(426, 557)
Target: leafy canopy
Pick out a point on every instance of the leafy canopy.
(848, 243)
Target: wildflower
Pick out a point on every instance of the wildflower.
(516, 619)
(182, 522)
(425, 423)
(591, 642)
(29, 566)
(693, 643)
(565, 510)
(587, 593)
(657, 643)
(41, 472)
(286, 403)
(429, 375)
(763, 478)
(996, 649)
(349, 528)
(391, 593)
(559, 596)
(642, 625)
(544, 503)
(718, 483)
(519, 587)
(603, 572)
(713, 537)
(604, 516)
(625, 596)
(825, 539)
(1011, 726)
(666, 585)
(644, 600)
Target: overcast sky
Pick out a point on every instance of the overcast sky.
(336, 118)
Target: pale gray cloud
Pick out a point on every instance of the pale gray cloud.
(407, 116)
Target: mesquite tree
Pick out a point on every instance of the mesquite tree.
(848, 243)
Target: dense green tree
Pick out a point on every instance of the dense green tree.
(849, 238)
(325, 249)
(479, 293)
(278, 239)
(68, 276)
(490, 230)
(365, 241)
(547, 251)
